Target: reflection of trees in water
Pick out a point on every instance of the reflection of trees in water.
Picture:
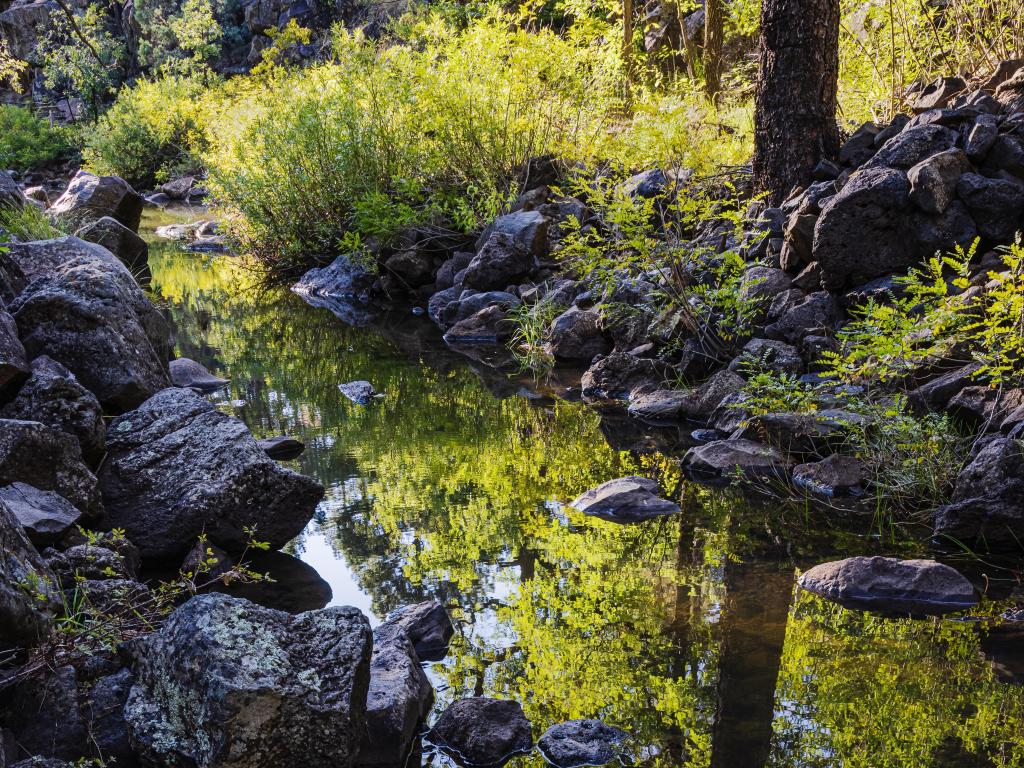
(672, 629)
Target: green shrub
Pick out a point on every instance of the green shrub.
(153, 132)
(27, 142)
(26, 224)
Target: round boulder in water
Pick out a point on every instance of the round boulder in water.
(578, 743)
(188, 374)
(625, 500)
(890, 585)
(482, 733)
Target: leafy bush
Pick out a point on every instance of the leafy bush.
(26, 224)
(28, 143)
(153, 132)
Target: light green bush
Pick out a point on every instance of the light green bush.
(28, 143)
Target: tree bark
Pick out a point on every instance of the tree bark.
(714, 33)
(795, 104)
(627, 39)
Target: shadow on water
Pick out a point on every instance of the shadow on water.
(684, 631)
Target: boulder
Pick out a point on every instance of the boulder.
(767, 355)
(14, 367)
(659, 405)
(343, 287)
(987, 508)
(411, 267)
(282, 448)
(90, 561)
(189, 374)
(892, 586)
(625, 500)
(12, 277)
(816, 313)
(979, 136)
(104, 709)
(225, 683)
(45, 516)
(177, 467)
(53, 396)
(832, 477)
(804, 434)
(28, 596)
(860, 147)
(40, 456)
(427, 625)
(501, 261)
(576, 335)
(11, 195)
(935, 395)
(995, 204)
(1007, 155)
(614, 376)
(359, 392)
(491, 325)
(933, 181)
(697, 404)
(179, 189)
(482, 731)
(1010, 93)
(938, 93)
(89, 198)
(90, 315)
(124, 243)
(45, 718)
(467, 303)
(528, 228)
(578, 743)
(912, 145)
(743, 460)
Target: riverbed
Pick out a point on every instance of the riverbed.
(685, 631)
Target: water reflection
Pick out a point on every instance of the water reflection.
(683, 631)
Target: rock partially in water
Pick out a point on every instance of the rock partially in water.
(578, 743)
(890, 585)
(282, 448)
(359, 392)
(89, 198)
(343, 287)
(226, 683)
(616, 375)
(427, 625)
(482, 732)
(44, 515)
(735, 459)
(625, 500)
(491, 325)
(28, 597)
(576, 335)
(296, 587)
(177, 467)
(192, 375)
(835, 476)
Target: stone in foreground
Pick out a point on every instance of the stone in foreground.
(482, 732)
(578, 743)
(27, 587)
(625, 500)
(89, 198)
(890, 585)
(228, 684)
(192, 375)
(177, 467)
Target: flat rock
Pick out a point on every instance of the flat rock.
(625, 500)
(44, 515)
(832, 477)
(282, 448)
(724, 460)
(192, 375)
(359, 392)
(482, 733)
(578, 743)
(890, 585)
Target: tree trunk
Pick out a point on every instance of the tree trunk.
(795, 103)
(627, 40)
(714, 33)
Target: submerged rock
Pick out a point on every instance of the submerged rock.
(578, 743)
(27, 586)
(283, 448)
(192, 375)
(625, 500)
(227, 683)
(482, 732)
(178, 467)
(890, 585)
(44, 515)
(359, 392)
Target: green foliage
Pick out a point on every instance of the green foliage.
(185, 38)
(26, 223)
(27, 142)
(532, 322)
(11, 68)
(998, 334)
(153, 132)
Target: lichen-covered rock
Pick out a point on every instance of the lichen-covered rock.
(578, 743)
(28, 594)
(40, 456)
(121, 241)
(53, 396)
(625, 500)
(482, 731)
(89, 198)
(177, 467)
(44, 515)
(427, 625)
(228, 684)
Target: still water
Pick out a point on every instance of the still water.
(684, 631)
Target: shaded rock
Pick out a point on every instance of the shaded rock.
(938, 93)
(426, 624)
(576, 335)
(12, 277)
(659, 404)
(179, 189)
(45, 718)
(49, 460)
(889, 585)
(616, 375)
(103, 708)
(724, 460)
(490, 325)
(44, 515)
(131, 249)
(1007, 154)
(933, 181)
(227, 683)
(940, 233)
(936, 394)
(987, 508)
(835, 476)
(579, 743)
(296, 586)
(11, 195)
(88, 561)
(412, 267)
(697, 404)
(283, 448)
(14, 367)
(500, 262)
(625, 500)
(1010, 94)
(764, 283)
(207, 561)
(177, 467)
(192, 375)
(359, 392)
(816, 313)
(767, 355)
(911, 146)
(799, 433)
(28, 596)
(528, 228)
(469, 303)
(979, 137)
(89, 198)
(860, 147)
(482, 732)
(53, 396)
(995, 204)
(446, 273)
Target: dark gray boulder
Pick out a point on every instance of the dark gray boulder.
(528, 228)
(578, 743)
(14, 366)
(90, 561)
(739, 460)
(89, 198)
(832, 477)
(410, 268)
(49, 460)
(468, 303)
(41, 258)
(28, 597)
(816, 314)
(44, 716)
(979, 136)
(501, 261)
(177, 467)
(801, 434)
(11, 195)
(912, 145)
(53, 396)
(697, 404)
(192, 375)
(576, 335)
(343, 287)
(890, 585)
(228, 683)
(625, 500)
(491, 325)
(103, 707)
(995, 204)
(426, 624)
(933, 181)
(121, 241)
(767, 355)
(282, 448)
(12, 277)
(614, 376)
(482, 733)
(44, 515)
